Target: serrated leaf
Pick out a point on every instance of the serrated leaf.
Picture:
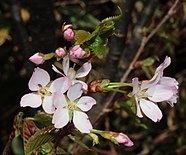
(43, 118)
(79, 141)
(98, 46)
(82, 36)
(39, 138)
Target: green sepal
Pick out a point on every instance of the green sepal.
(48, 56)
(95, 138)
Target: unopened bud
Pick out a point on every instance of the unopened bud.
(60, 52)
(36, 58)
(77, 52)
(124, 140)
(68, 33)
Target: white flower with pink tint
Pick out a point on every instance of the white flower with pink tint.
(158, 89)
(73, 75)
(43, 90)
(77, 52)
(36, 58)
(71, 108)
(68, 32)
(60, 52)
(124, 139)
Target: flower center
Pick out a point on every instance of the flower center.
(72, 106)
(71, 74)
(141, 94)
(43, 91)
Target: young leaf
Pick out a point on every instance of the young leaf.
(43, 118)
(82, 36)
(39, 138)
(98, 46)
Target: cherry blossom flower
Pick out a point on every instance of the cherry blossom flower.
(158, 89)
(43, 89)
(70, 108)
(36, 58)
(124, 139)
(68, 32)
(71, 74)
(77, 52)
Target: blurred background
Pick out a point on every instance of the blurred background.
(30, 26)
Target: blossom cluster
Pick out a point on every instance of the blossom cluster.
(64, 98)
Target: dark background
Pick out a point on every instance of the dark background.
(35, 26)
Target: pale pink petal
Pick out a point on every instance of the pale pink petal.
(59, 100)
(60, 118)
(124, 139)
(138, 110)
(39, 77)
(159, 93)
(83, 70)
(66, 64)
(168, 81)
(164, 65)
(172, 100)
(61, 84)
(47, 105)
(151, 110)
(74, 92)
(56, 70)
(157, 76)
(135, 85)
(84, 85)
(31, 100)
(85, 103)
(81, 122)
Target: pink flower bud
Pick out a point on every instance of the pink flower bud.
(60, 52)
(77, 52)
(68, 33)
(124, 139)
(36, 58)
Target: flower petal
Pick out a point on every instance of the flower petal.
(47, 105)
(151, 110)
(159, 93)
(81, 122)
(59, 100)
(56, 70)
(74, 92)
(31, 100)
(84, 85)
(138, 110)
(39, 77)
(84, 70)
(60, 118)
(135, 85)
(66, 64)
(168, 81)
(158, 74)
(85, 103)
(61, 84)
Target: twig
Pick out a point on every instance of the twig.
(138, 53)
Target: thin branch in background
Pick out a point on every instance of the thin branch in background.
(144, 41)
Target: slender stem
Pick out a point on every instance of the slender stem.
(115, 90)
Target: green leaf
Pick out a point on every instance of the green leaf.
(98, 46)
(79, 141)
(43, 118)
(82, 36)
(18, 122)
(39, 138)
